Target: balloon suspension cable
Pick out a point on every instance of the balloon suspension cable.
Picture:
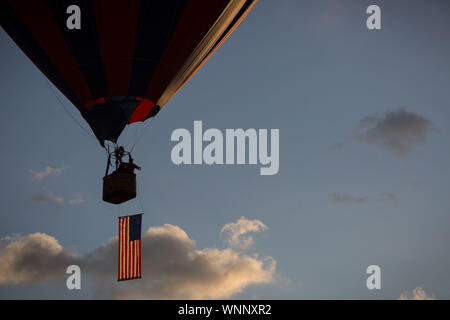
(115, 156)
(141, 134)
(140, 199)
(67, 111)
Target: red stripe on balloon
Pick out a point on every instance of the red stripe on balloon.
(116, 25)
(142, 110)
(195, 21)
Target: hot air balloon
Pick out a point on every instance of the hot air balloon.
(126, 60)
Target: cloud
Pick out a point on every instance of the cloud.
(417, 294)
(77, 200)
(32, 258)
(397, 131)
(347, 198)
(49, 171)
(235, 232)
(48, 197)
(173, 267)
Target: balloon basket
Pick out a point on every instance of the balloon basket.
(119, 187)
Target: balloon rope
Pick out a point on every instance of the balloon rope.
(64, 108)
(140, 200)
(142, 134)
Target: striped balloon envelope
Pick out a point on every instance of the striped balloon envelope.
(128, 58)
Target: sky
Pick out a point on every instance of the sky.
(364, 178)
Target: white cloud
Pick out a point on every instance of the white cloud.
(173, 267)
(32, 258)
(49, 171)
(48, 197)
(235, 232)
(77, 200)
(417, 294)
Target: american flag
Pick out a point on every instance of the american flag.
(129, 247)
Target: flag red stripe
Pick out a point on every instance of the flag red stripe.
(120, 247)
(126, 246)
(139, 257)
(123, 249)
(122, 244)
(118, 258)
(132, 258)
(135, 258)
(120, 250)
(128, 249)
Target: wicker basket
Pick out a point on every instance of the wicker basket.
(119, 187)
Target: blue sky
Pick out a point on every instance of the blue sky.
(343, 198)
